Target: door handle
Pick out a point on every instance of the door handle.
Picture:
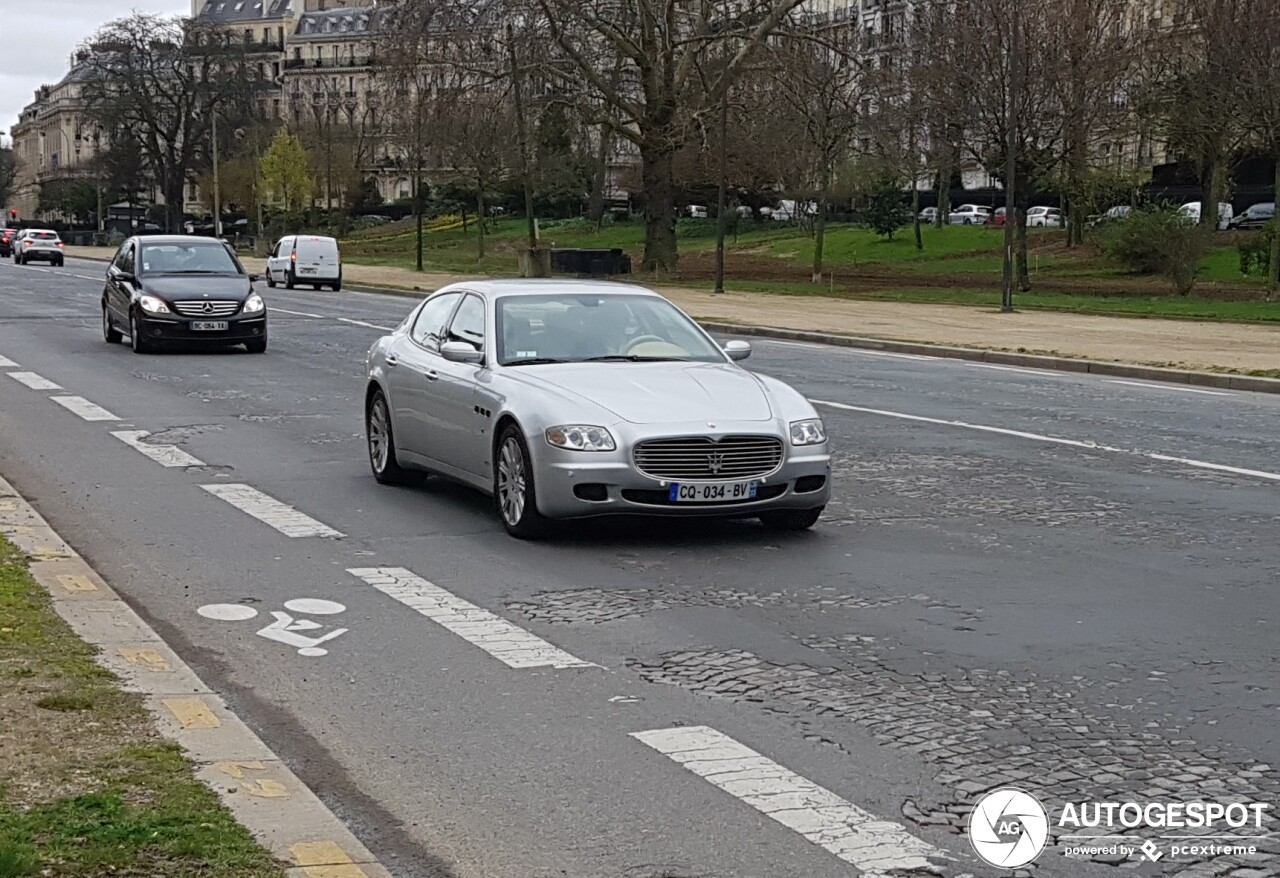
(431, 374)
(391, 359)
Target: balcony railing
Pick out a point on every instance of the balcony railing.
(329, 63)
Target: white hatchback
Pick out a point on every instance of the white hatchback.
(305, 259)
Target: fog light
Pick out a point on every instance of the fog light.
(594, 492)
(157, 332)
(809, 484)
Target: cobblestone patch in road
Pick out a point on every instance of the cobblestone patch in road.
(597, 605)
(982, 729)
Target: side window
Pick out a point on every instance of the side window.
(125, 261)
(429, 326)
(468, 323)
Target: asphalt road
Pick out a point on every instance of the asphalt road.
(1061, 582)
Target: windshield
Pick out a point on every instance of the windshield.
(569, 328)
(193, 258)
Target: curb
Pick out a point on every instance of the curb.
(1221, 380)
(283, 814)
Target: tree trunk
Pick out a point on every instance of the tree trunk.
(599, 178)
(417, 214)
(657, 160)
(819, 239)
(479, 220)
(173, 198)
(915, 213)
(1209, 194)
(1024, 274)
(1275, 232)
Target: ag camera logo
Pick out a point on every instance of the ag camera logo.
(1008, 828)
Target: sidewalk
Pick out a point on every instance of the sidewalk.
(1182, 344)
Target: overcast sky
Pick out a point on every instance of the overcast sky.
(37, 38)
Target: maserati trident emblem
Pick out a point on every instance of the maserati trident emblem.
(715, 460)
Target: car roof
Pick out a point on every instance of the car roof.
(177, 239)
(543, 286)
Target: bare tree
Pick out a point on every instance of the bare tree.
(1259, 68)
(8, 173)
(474, 127)
(164, 80)
(655, 44)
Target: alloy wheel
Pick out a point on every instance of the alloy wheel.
(379, 438)
(512, 482)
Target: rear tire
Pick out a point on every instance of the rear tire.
(381, 441)
(514, 492)
(791, 519)
(288, 279)
(109, 333)
(337, 288)
(271, 282)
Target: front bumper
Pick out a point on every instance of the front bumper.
(587, 484)
(169, 328)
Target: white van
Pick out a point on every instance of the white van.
(1191, 210)
(305, 259)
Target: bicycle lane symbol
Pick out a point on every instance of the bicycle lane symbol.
(286, 628)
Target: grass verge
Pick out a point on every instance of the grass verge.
(87, 788)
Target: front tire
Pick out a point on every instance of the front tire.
(257, 346)
(271, 281)
(791, 519)
(514, 492)
(109, 333)
(139, 344)
(382, 444)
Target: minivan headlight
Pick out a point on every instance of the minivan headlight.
(254, 304)
(808, 432)
(152, 305)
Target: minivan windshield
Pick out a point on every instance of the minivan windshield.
(197, 257)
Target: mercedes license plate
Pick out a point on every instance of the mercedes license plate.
(208, 325)
(712, 492)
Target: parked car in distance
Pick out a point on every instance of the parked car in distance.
(7, 238)
(1191, 211)
(305, 259)
(574, 399)
(1044, 217)
(969, 215)
(1255, 216)
(929, 215)
(696, 211)
(39, 245)
(179, 288)
(997, 217)
(1112, 214)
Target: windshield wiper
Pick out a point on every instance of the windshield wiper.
(533, 361)
(633, 358)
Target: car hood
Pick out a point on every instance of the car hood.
(200, 286)
(651, 393)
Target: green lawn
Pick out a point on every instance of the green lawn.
(86, 787)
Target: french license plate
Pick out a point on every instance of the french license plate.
(208, 325)
(306, 271)
(712, 492)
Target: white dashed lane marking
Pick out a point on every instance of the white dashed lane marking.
(275, 310)
(34, 381)
(1168, 387)
(508, 643)
(1056, 440)
(362, 323)
(165, 455)
(271, 511)
(82, 408)
(875, 846)
(6, 363)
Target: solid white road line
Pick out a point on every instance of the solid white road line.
(1044, 372)
(875, 846)
(6, 363)
(890, 354)
(369, 325)
(82, 408)
(276, 310)
(509, 643)
(795, 344)
(1168, 387)
(34, 381)
(271, 511)
(165, 455)
(1057, 440)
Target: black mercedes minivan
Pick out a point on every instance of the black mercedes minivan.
(183, 289)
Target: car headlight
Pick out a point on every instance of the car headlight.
(254, 304)
(581, 437)
(808, 432)
(152, 305)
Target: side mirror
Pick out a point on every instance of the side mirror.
(460, 352)
(254, 277)
(738, 350)
(124, 276)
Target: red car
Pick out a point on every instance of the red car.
(997, 217)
